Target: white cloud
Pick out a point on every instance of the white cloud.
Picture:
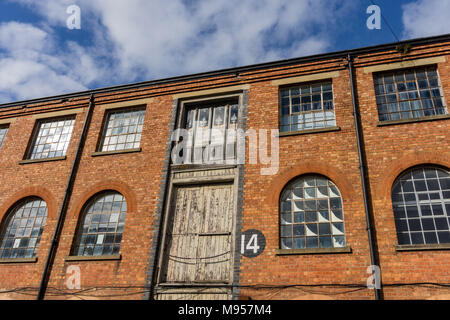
(18, 36)
(168, 38)
(424, 18)
(138, 40)
(27, 79)
(33, 65)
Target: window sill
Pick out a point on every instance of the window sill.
(28, 161)
(24, 260)
(404, 121)
(94, 258)
(284, 252)
(310, 131)
(422, 247)
(201, 167)
(108, 153)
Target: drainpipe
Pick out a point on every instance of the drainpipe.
(63, 211)
(362, 167)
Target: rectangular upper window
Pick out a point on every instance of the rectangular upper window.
(3, 132)
(211, 131)
(306, 107)
(51, 138)
(122, 130)
(408, 94)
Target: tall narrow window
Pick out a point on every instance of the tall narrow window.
(101, 227)
(307, 107)
(421, 202)
(411, 93)
(3, 132)
(123, 130)
(22, 229)
(52, 138)
(311, 214)
(211, 132)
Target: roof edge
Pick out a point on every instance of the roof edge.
(234, 70)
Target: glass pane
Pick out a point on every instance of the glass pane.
(304, 100)
(102, 228)
(3, 132)
(403, 87)
(124, 129)
(52, 138)
(22, 233)
(219, 116)
(307, 213)
(417, 198)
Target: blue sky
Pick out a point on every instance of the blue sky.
(126, 41)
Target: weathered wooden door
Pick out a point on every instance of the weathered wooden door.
(199, 240)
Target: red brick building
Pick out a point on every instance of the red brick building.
(93, 204)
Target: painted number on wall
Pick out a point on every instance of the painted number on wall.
(253, 243)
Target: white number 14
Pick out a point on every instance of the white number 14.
(251, 245)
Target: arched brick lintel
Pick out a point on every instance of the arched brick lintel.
(394, 169)
(105, 185)
(331, 172)
(34, 191)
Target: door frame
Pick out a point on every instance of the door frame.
(206, 181)
(236, 178)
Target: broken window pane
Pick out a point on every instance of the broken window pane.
(104, 226)
(402, 86)
(123, 130)
(28, 235)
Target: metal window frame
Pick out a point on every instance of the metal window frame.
(11, 214)
(312, 112)
(288, 186)
(420, 216)
(2, 127)
(211, 102)
(106, 116)
(81, 222)
(36, 130)
(425, 68)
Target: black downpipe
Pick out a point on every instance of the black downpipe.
(63, 211)
(362, 167)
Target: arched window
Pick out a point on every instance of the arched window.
(22, 229)
(311, 214)
(421, 202)
(101, 227)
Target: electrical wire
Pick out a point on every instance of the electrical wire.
(386, 21)
(273, 290)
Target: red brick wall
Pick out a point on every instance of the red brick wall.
(389, 149)
(332, 154)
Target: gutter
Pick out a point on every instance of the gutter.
(362, 167)
(235, 71)
(65, 204)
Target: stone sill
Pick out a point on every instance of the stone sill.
(28, 161)
(24, 260)
(94, 258)
(108, 153)
(422, 247)
(283, 252)
(309, 131)
(200, 167)
(404, 121)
